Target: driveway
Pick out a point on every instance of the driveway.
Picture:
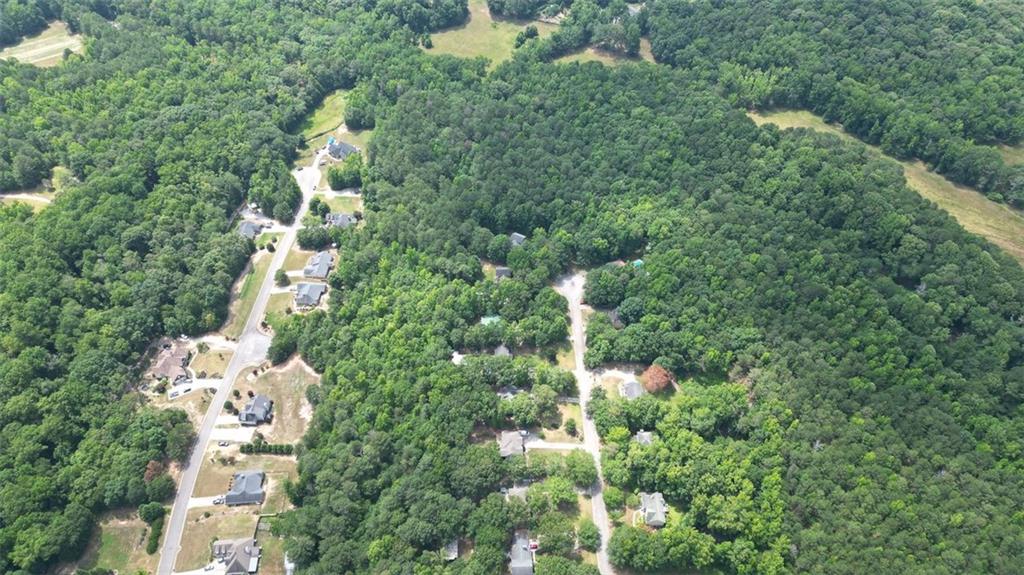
(250, 351)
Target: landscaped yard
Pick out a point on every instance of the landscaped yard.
(976, 213)
(200, 532)
(119, 544)
(287, 387)
(325, 121)
(483, 35)
(240, 307)
(213, 363)
(45, 48)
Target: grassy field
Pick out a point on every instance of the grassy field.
(213, 362)
(326, 120)
(45, 48)
(277, 308)
(37, 204)
(347, 204)
(1012, 155)
(607, 58)
(250, 288)
(976, 213)
(200, 532)
(484, 35)
(119, 544)
(287, 387)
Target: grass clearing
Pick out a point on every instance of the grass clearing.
(609, 58)
(213, 363)
(484, 35)
(46, 48)
(328, 119)
(998, 223)
(119, 543)
(200, 532)
(278, 308)
(249, 288)
(565, 358)
(347, 204)
(286, 386)
(37, 204)
(1012, 155)
(566, 411)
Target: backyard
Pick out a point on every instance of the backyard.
(206, 525)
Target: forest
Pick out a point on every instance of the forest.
(851, 359)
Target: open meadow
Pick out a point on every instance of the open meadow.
(45, 48)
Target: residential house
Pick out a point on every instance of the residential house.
(246, 488)
(341, 220)
(318, 266)
(451, 550)
(520, 557)
(340, 150)
(249, 229)
(259, 410)
(308, 295)
(644, 437)
(512, 443)
(516, 238)
(631, 389)
(171, 364)
(653, 509)
(501, 273)
(239, 556)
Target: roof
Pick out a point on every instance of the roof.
(634, 9)
(318, 266)
(451, 550)
(240, 556)
(511, 443)
(508, 391)
(340, 220)
(490, 319)
(520, 557)
(340, 150)
(170, 364)
(631, 389)
(502, 351)
(517, 238)
(653, 508)
(502, 272)
(246, 488)
(250, 229)
(309, 294)
(644, 437)
(257, 411)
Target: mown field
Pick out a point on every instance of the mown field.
(484, 35)
(996, 222)
(45, 48)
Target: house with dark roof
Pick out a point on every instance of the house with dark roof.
(502, 272)
(259, 410)
(644, 437)
(246, 488)
(239, 556)
(520, 556)
(631, 389)
(653, 509)
(511, 443)
(340, 150)
(340, 220)
(318, 266)
(516, 238)
(308, 295)
(250, 229)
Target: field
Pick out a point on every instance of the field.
(214, 362)
(976, 213)
(250, 288)
(200, 532)
(607, 58)
(327, 120)
(119, 544)
(347, 204)
(45, 48)
(1012, 155)
(484, 35)
(287, 387)
(193, 404)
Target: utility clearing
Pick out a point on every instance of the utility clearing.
(46, 48)
(996, 222)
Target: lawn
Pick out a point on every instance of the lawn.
(287, 387)
(608, 58)
(213, 363)
(119, 543)
(264, 239)
(200, 532)
(327, 120)
(565, 358)
(214, 476)
(193, 404)
(277, 308)
(558, 434)
(347, 204)
(977, 214)
(484, 35)
(271, 553)
(296, 259)
(242, 304)
(45, 48)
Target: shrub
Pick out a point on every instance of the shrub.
(155, 529)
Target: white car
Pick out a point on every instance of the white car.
(208, 567)
(218, 500)
(222, 443)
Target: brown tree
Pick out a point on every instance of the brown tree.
(657, 378)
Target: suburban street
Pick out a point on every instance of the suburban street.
(571, 287)
(250, 351)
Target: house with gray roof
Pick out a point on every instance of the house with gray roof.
(511, 443)
(516, 238)
(340, 220)
(239, 556)
(340, 150)
(318, 266)
(451, 550)
(520, 556)
(644, 437)
(502, 272)
(250, 229)
(246, 488)
(308, 295)
(653, 509)
(631, 389)
(259, 410)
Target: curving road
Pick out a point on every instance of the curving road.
(250, 351)
(571, 287)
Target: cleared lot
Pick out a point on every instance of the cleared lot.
(46, 48)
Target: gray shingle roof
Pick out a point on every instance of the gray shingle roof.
(307, 295)
(511, 443)
(341, 150)
(653, 508)
(318, 266)
(240, 556)
(257, 411)
(340, 220)
(250, 229)
(502, 272)
(644, 437)
(517, 238)
(246, 488)
(631, 389)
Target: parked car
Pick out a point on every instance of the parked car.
(218, 500)
(222, 443)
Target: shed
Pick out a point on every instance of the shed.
(502, 272)
(308, 295)
(653, 509)
(451, 550)
(259, 410)
(246, 488)
(318, 266)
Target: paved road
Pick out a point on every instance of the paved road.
(571, 287)
(250, 351)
